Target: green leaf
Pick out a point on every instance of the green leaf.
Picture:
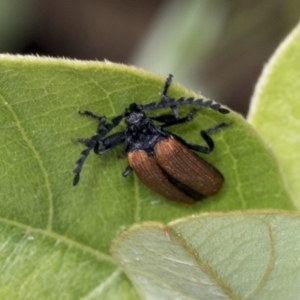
(57, 235)
(250, 255)
(275, 109)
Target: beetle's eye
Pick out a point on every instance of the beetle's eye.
(133, 107)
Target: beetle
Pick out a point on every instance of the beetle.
(162, 160)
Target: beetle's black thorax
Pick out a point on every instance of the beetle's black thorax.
(142, 134)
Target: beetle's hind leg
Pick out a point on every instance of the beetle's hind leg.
(127, 171)
(205, 135)
(216, 127)
(209, 141)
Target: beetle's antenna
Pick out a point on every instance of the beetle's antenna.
(90, 143)
(170, 102)
(167, 101)
(80, 163)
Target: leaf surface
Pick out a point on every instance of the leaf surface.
(275, 109)
(215, 256)
(57, 235)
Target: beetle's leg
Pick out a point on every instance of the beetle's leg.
(102, 130)
(102, 120)
(92, 115)
(165, 100)
(163, 97)
(170, 120)
(116, 120)
(109, 143)
(127, 171)
(203, 149)
(205, 134)
(166, 87)
(208, 139)
(217, 127)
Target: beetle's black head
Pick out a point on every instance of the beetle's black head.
(136, 121)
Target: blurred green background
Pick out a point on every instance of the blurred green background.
(216, 47)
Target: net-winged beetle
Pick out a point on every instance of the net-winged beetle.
(162, 160)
